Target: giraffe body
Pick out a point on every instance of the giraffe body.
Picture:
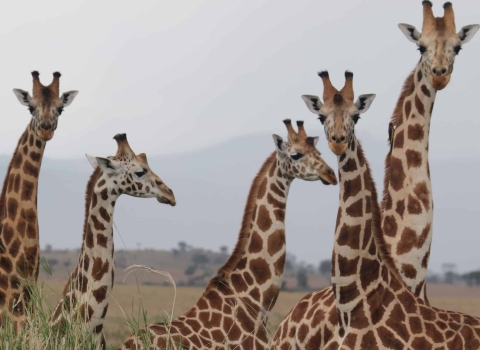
(87, 293)
(19, 231)
(368, 306)
(232, 312)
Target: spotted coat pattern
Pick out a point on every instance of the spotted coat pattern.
(232, 312)
(87, 292)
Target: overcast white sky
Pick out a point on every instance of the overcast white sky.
(181, 75)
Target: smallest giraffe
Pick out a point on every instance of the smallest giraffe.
(88, 290)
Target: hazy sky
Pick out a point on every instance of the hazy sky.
(182, 75)
(179, 75)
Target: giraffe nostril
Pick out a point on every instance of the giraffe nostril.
(434, 70)
(334, 138)
(444, 71)
(342, 139)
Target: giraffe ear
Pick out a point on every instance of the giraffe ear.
(410, 32)
(23, 96)
(364, 102)
(279, 144)
(68, 97)
(467, 32)
(107, 165)
(313, 103)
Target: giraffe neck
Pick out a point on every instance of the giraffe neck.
(19, 243)
(249, 282)
(358, 264)
(407, 206)
(92, 280)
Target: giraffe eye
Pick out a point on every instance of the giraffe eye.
(296, 156)
(355, 118)
(322, 118)
(141, 173)
(422, 49)
(457, 49)
(31, 109)
(60, 110)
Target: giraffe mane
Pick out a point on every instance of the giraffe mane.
(382, 247)
(5, 181)
(244, 234)
(88, 196)
(396, 117)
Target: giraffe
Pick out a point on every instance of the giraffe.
(19, 243)
(368, 306)
(91, 283)
(232, 312)
(407, 203)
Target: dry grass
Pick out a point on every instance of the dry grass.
(157, 301)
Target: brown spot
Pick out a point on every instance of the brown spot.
(397, 174)
(414, 158)
(12, 207)
(264, 222)
(104, 194)
(30, 169)
(414, 206)
(6, 264)
(409, 271)
(390, 226)
(16, 185)
(355, 209)
(260, 270)
(14, 248)
(104, 214)
(350, 165)
(262, 189)
(419, 75)
(27, 190)
(399, 139)
(277, 190)
(102, 240)
(352, 188)
(279, 265)
(348, 293)
(279, 214)
(347, 267)
(349, 236)
(256, 243)
(38, 143)
(35, 156)
(100, 294)
(101, 183)
(270, 297)
(415, 132)
(89, 237)
(17, 161)
(408, 108)
(97, 224)
(419, 106)
(423, 194)
(276, 241)
(407, 241)
(99, 269)
(94, 200)
(7, 233)
(369, 272)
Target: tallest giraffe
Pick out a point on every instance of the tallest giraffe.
(19, 235)
(407, 205)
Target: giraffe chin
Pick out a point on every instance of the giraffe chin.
(165, 200)
(338, 148)
(439, 83)
(45, 135)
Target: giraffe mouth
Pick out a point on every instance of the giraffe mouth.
(166, 200)
(439, 82)
(45, 135)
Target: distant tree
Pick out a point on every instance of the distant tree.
(182, 246)
(472, 278)
(48, 248)
(200, 258)
(175, 252)
(52, 262)
(190, 270)
(290, 261)
(224, 249)
(325, 268)
(66, 263)
(302, 279)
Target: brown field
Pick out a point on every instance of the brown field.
(158, 301)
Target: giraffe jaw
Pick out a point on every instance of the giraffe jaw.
(165, 200)
(439, 83)
(338, 148)
(45, 135)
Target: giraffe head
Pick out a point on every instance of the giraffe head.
(299, 158)
(129, 173)
(45, 105)
(438, 43)
(338, 113)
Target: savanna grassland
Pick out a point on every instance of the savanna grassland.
(157, 302)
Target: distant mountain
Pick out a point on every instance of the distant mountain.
(211, 186)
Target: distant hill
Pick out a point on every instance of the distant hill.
(211, 186)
